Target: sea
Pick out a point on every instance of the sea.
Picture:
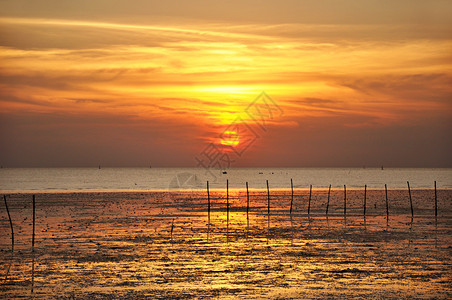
(32, 180)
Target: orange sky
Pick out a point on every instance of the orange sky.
(129, 83)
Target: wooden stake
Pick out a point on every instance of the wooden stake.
(387, 202)
(365, 200)
(436, 202)
(227, 199)
(34, 217)
(328, 202)
(268, 210)
(345, 200)
(309, 201)
(10, 224)
(411, 201)
(208, 202)
(247, 206)
(268, 200)
(291, 200)
(227, 210)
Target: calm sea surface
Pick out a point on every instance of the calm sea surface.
(141, 179)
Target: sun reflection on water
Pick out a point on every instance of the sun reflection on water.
(121, 244)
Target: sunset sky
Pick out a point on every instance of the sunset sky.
(133, 83)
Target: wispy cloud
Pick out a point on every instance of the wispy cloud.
(356, 76)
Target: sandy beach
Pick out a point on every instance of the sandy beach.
(159, 245)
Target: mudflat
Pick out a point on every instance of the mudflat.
(160, 245)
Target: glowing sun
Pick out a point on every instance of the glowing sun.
(229, 138)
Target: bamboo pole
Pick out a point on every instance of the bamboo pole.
(387, 202)
(34, 218)
(309, 200)
(291, 200)
(268, 212)
(227, 210)
(345, 200)
(247, 206)
(436, 202)
(268, 201)
(208, 202)
(227, 199)
(365, 200)
(328, 201)
(411, 201)
(10, 224)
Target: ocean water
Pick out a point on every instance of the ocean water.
(13, 180)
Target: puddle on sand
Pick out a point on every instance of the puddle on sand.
(149, 245)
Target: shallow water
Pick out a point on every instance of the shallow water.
(160, 245)
(164, 179)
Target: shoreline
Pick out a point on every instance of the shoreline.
(203, 190)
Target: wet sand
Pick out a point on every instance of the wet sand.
(159, 245)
